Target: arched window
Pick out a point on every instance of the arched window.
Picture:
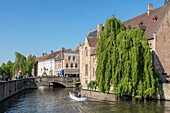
(66, 65)
(86, 51)
(71, 65)
(74, 58)
(76, 65)
(69, 57)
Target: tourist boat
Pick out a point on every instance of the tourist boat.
(77, 96)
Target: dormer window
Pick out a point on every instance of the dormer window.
(154, 18)
(140, 23)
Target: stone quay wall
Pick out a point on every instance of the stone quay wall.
(98, 95)
(164, 93)
(10, 88)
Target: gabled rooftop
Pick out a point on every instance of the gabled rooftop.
(151, 22)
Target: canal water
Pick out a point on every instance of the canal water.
(57, 100)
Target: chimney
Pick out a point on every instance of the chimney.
(51, 51)
(150, 7)
(63, 49)
(43, 54)
(167, 2)
(99, 29)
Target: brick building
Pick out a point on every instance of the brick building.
(88, 58)
(156, 24)
(68, 63)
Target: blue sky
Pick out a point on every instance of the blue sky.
(37, 26)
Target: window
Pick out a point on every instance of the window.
(71, 65)
(74, 58)
(86, 81)
(66, 65)
(86, 51)
(93, 73)
(69, 57)
(86, 70)
(76, 65)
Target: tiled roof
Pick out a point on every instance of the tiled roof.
(92, 41)
(92, 34)
(41, 58)
(47, 56)
(53, 55)
(147, 20)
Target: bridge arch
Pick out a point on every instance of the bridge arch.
(59, 84)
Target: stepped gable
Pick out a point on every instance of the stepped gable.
(149, 21)
(92, 41)
(94, 50)
(60, 55)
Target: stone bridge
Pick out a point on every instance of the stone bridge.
(52, 80)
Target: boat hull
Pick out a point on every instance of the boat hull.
(83, 98)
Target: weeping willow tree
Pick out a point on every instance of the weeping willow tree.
(124, 62)
(20, 64)
(104, 52)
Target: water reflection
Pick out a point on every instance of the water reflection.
(56, 100)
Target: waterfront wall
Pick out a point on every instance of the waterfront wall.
(10, 88)
(164, 93)
(98, 95)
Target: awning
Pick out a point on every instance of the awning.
(71, 71)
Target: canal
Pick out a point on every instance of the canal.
(56, 100)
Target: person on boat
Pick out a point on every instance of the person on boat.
(79, 95)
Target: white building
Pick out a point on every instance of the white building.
(46, 64)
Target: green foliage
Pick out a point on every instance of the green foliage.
(11, 69)
(125, 62)
(6, 69)
(20, 62)
(30, 64)
(104, 52)
(92, 85)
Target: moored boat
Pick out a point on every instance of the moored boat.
(77, 96)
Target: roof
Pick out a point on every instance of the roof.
(41, 58)
(147, 20)
(92, 41)
(53, 55)
(47, 56)
(92, 34)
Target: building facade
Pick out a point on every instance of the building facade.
(45, 64)
(156, 25)
(87, 59)
(68, 63)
